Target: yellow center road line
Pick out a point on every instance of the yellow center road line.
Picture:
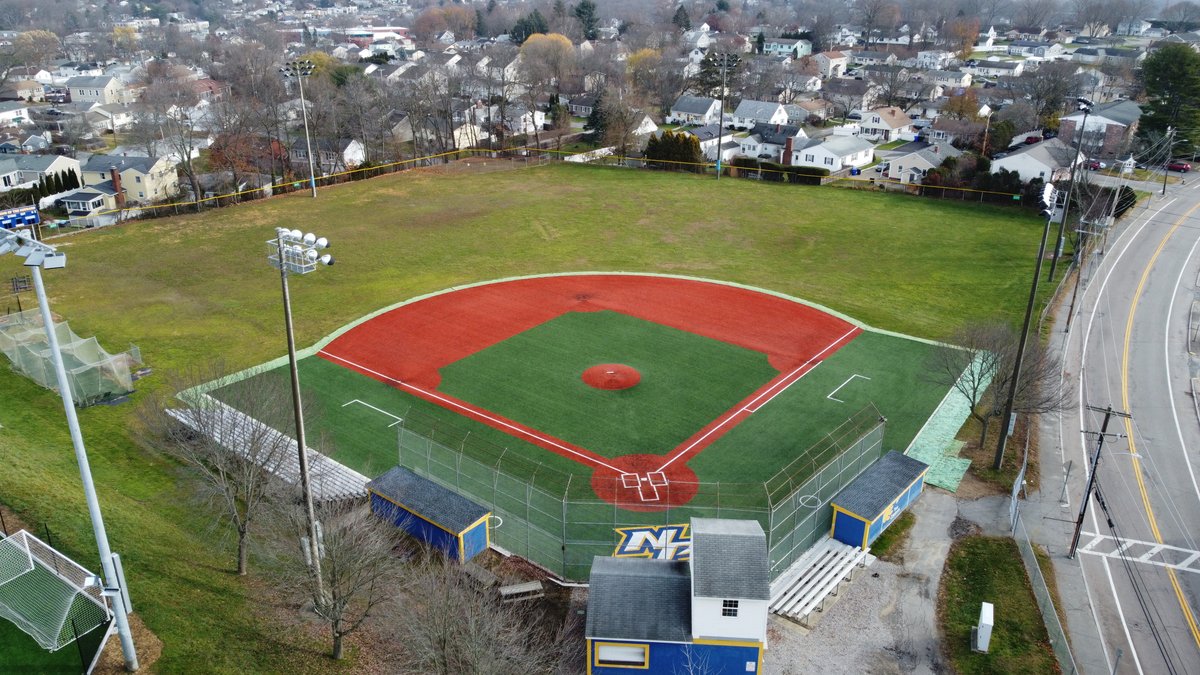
(1137, 469)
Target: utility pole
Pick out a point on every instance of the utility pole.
(1087, 493)
(725, 60)
(1086, 106)
(1049, 199)
(1167, 161)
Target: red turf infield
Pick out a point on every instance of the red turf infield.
(408, 345)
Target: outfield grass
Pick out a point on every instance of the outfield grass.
(988, 569)
(197, 288)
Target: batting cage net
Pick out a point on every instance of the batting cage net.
(46, 594)
(557, 520)
(94, 374)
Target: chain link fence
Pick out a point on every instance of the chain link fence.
(556, 520)
(1045, 599)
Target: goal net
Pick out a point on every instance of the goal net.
(46, 594)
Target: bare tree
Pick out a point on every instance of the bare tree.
(1034, 13)
(450, 627)
(1181, 16)
(235, 482)
(1047, 89)
(876, 15)
(358, 569)
(992, 348)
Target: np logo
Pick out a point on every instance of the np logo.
(665, 542)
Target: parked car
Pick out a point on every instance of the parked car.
(1094, 165)
(1179, 165)
(1030, 140)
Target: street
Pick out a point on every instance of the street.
(1130, 593)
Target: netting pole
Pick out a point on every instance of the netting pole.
(3, 526)
(85, 472)
(565, 495)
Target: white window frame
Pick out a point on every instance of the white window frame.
(620, 655)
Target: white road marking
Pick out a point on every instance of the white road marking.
(839, 388)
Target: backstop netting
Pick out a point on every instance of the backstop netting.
(556, 520)
(93, 373)
(45, 593)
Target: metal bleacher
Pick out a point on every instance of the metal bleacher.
(330, 480)
(816, 575)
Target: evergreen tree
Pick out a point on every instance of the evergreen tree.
(72, 180)
(681, 19)
(595, 122)
(528, 25)
(480, 24)
(722, 5)
(60, 184)
(652, 149)
(585, 11)
(759, 43)
(1172, 79)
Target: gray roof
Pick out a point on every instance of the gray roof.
(871, 55)
(776, 134)
(696, 105)
(877, 487)
(757, 110)
(1007, 65)
(443, 507)
(846, 145)
(1053, 153)
(1125, 113)
(90, 81)
(36, 162)
(729, 559)
(103, 163)
(639, 599)
(9, 106)
(707, 132)
(934, 153)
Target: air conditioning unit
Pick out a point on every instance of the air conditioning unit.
(981, 635)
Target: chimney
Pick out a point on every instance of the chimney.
(787, 152)
(116, 181)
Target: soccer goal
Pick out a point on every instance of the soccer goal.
(46, 594)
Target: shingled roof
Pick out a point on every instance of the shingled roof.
(639, 599)
(729, 559)
(695, 105)
(877, 487)
(445, 508)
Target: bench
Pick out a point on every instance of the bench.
(517, 592)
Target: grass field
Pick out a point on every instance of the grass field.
(197, 288)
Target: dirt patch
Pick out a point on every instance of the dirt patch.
(149, 649)
(961, 528)
(614, 376)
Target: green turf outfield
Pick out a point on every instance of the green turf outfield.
(356, 415)
(533, 378)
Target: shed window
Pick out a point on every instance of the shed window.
(622, 655)
(729, 607)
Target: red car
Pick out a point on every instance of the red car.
(1179, 165)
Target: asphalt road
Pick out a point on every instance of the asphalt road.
(1134, 599)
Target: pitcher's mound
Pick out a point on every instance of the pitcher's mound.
(611, 376)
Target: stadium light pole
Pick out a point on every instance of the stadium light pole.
(1049, 199)
(300, 70)
(726, 59)
(299, 253)
(37, 256)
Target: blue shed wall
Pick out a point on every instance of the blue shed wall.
(848, 529)
(668, 657)
(415, 525)
(475, 540)
(897, 507)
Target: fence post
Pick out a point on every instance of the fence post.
(3, 526)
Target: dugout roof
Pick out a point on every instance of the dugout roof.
(879, 485)
(639, 599)
(422, 496)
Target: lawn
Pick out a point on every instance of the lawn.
(197, 288)
(988, 569)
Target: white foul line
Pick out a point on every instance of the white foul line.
(751, 407)
(830, 396)
(472, 411)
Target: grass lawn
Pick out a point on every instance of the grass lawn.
(891, 145)
(988, 569)
(197, 288)
(888, 544)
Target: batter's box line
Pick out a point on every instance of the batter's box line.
(399, 420)
(839, 387)
(652, 480)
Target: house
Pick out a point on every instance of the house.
(95, 89)
(581, 106)
(36, 143)
(10, 175)
(750, 113)
(330, 156)
(1035, 48)
(24, 90)
(911, 166)
(136, 179)
(834, 153)
(112, 117)
(711, 137)
(873, 58)
(847, 96)
(34, 167)
(996, 68)
(653, 614)
(1049, 160)
(1110, 127)
(13, 112)
(885, 124)
(801, 111)
(92, 200)
(948, 78)
(699, 110)
(399, 125)
(786, 47)
(933, 59)
(771, 141)
(831, 64)
(247, 153)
